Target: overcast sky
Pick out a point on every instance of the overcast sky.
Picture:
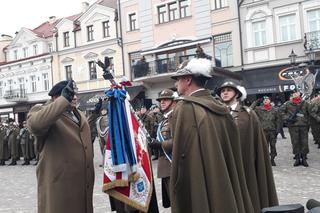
(15, 14)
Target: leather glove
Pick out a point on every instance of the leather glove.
(155, 144)
(68, 91)
(97, 106)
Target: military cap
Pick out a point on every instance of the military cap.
(195, 67)
(57, 88)
(265, 97)
(166, 94)
(10, 120)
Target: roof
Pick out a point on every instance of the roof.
(24, 59)
(108, 3)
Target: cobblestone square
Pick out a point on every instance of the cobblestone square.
(294, 184)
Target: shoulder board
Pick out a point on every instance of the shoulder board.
(247, 109)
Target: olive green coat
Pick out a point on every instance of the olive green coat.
(256, 161)
(207, 171)
(4, 148)
(65, 171)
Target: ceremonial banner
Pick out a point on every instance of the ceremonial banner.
(127, 168)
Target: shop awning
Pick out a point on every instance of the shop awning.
(87, 100)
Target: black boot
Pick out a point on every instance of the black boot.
(26, 162)
(318, 145)
(297, 162)
(13, 162)
(2, 163)
(304, 160)
(273, 163)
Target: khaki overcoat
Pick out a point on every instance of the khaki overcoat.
(65, 171)
(256, 160)
(207, 172)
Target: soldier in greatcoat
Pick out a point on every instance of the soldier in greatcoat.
(65, 172)
(207, 171)
(295, 113)
(269, 119)
(314, 111)
(254, 148)
(163, 143)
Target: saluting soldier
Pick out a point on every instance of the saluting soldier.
(295, 113)
(314, 111)
(254, 148)
(269, 119)
(163, 143)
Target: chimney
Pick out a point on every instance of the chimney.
(85, 6)
(52, 19)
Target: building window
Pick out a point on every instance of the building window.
(50, 48)
(217, 4)
(184, 8)
(68, 70)
(132, 21)
(259, 33)
(35, 49)
(162, 14)
(45, 81)
(66, 39)
(173, 11)
(10, 85)
(105, 28)
(223, 50)
(287, 26)
(92, 70)
(15, 55)
(25, 52)
(21, 85)
(90, 32)
(314, 20)
(33, 80)
(1, 88)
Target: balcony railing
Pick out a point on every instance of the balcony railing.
(157, 67)
(312, 40)
(16, 95)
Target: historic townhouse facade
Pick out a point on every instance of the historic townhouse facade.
(25, 72)
(80, 41)
(159, 34)
(271, 30)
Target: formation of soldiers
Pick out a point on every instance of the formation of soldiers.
(16, 143)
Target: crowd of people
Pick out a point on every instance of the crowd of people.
(16, 143)
(214, 153)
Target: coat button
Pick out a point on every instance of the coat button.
(85, 147)
(183, 156)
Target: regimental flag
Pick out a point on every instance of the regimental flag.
(127, 168)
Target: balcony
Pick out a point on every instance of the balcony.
(312, 40)
(157, 69)
(16, 95)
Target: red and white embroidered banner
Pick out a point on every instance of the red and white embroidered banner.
(133, 186)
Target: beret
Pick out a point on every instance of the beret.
(57, 88)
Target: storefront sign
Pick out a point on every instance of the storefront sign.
(292, 72)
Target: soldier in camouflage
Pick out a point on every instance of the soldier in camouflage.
(11, 137)
(269, 119)
(314, 112)
(146, 119)
(295, 114)
(26, 144)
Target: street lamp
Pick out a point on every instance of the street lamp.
(292, 57)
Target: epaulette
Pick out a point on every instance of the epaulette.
(248, 109)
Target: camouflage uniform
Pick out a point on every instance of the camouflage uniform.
(298, 128)
(148, 122)
(4, 151)
(11, 137)
(314, 111)
(269, 120)
(26, 143)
